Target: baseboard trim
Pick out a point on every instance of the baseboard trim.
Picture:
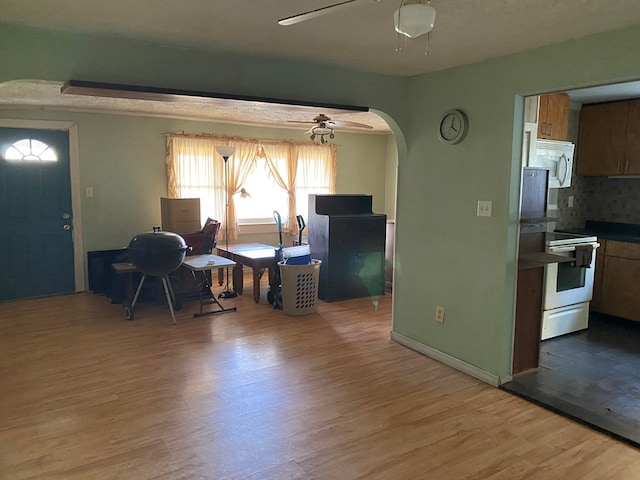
(454, 362)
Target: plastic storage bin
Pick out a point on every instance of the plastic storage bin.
(299, 287)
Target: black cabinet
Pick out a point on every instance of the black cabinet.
(350, 240)
(99, 268)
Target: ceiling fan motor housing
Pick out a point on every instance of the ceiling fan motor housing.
(414, 19)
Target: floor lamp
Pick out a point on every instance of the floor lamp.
(225, 152)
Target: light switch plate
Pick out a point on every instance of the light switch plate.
(484, 208)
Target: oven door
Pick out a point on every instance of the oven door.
(565, 283)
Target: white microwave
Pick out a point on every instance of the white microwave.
(557, 157)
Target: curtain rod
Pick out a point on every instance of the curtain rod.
(182, 133)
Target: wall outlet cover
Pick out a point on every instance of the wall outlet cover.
(484, 208)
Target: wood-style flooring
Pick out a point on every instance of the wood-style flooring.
(592, 376)
(258, 395)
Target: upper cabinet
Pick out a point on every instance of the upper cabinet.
(609, 139)
(553, 116)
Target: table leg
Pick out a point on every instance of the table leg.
(210, 298)
(257, 275)
(220, 276)
(238, 283)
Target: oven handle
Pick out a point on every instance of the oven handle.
(570, 248)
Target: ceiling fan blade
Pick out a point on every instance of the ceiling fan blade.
(319, 12)
(346, 123)
(301, 121)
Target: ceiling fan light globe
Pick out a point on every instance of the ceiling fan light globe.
(414, 20)
(322, 130)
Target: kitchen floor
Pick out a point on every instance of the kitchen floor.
(592, 376)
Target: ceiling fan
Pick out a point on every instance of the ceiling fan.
(323, 127)
(412, 18)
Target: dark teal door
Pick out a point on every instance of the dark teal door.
(36, 224)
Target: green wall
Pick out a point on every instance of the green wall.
(445, 255)
(449, 256)
(123, 158)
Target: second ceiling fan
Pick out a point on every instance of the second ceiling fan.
(412, 18)
(323, 127)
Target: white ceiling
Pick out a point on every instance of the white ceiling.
(362, 37)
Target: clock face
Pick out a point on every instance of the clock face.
(453, 127)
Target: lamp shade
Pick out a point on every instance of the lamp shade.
(226, 151)
(415, 19)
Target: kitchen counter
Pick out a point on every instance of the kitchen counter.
(621, 232)
(540, 259)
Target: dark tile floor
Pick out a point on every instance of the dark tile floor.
(591, 376)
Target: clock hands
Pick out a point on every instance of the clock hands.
(453, 127)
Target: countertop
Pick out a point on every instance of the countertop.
(621, 232)
(540, 259)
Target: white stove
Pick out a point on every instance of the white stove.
(568, 285)
(553, 239)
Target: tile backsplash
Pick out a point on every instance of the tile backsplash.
(601, 199)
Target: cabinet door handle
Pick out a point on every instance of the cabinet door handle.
(626, 165)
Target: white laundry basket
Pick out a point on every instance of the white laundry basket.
(299, 287)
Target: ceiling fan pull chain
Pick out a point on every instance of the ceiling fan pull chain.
(398, 46)
(427, 51)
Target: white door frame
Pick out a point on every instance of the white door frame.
(74, 170)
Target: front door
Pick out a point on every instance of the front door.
(36, 224)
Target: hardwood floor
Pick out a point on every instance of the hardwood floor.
(256, 394)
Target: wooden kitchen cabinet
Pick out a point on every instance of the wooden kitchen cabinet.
(632, 154)
(530, 283)
(620, 292)
(553, 116)
(528, 324)
(609, 139)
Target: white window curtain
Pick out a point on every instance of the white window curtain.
(193, 173)
(195, 169)
(316, 173)
(282, 163)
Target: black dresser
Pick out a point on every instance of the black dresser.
(350, 240)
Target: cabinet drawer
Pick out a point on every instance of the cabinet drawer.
(623, 250)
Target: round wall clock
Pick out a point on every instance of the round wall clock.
(453, 127)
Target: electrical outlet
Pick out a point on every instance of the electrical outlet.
(484, 208)
(440, 314)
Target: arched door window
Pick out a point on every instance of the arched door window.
(30, 150)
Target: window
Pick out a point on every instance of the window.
(263, 176)
(259, 196)
(30, 150)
